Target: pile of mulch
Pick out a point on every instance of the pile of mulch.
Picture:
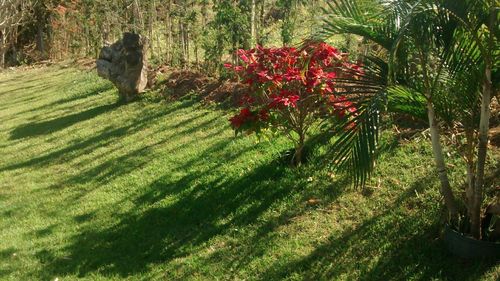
(180, 83)
(85, 63)
(184, 82)
(228, 92)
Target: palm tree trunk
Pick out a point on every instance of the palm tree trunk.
(484, 124)
(477, 197)
(469, 159)
(446, 191)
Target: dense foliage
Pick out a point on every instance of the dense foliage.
(181, 32)
(442, 55)
(291, 90)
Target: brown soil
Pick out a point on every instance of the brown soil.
(227, 92)
(85, 63)
(180, 83)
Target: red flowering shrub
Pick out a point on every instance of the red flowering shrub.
(291, 90)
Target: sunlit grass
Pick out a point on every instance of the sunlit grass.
(162, 190)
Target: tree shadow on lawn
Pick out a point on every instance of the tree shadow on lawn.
(46, 127)
(204, 209)
(75, 96)
(29, 76)
(390, 246)
(35, 92)
(14, 102)
(396, 244)
(84, 146)
(53, 74)
(121, 165)
(162, 234)
(37, 87)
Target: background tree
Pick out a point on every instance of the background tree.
(182, 32)
(13, 14)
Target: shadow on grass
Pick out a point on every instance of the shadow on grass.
(46, 127)
(10, 255)
(29, 77)
(162, 234)
(20, 100)
(126, 163)
(390, 246)
(84, 146)
(175, 228)
(74, 97)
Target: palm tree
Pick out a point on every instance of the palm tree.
(439, 53)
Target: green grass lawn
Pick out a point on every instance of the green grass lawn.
(157, 190)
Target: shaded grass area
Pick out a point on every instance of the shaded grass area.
(163, 191)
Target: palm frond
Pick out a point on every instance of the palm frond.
(408, 101)
(354, 140)
(362, 18)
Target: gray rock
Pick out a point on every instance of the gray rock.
(124, 63)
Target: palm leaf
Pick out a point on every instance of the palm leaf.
(354, 139)
(362, 18)
(408, 101)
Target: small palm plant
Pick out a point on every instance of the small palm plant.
(443, 53)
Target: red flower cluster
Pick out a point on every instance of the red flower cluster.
(284, 98)
(288, 80)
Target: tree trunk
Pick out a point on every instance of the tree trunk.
(469, 159)
(186, 44)
(234, 56)
(299, 149)
(2, 58)
(39, 40)
(169, 33)
(253, 23)
(3, 48)
(261, 23)
(196, 55)
(13, 41)
(138, 15)
(446, 191)
(484, 124)
(477, 195)
(151, 19)
(50, 41)
(182, 43)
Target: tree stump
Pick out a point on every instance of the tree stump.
(124, 63)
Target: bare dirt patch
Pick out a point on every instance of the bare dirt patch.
(179, 83)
